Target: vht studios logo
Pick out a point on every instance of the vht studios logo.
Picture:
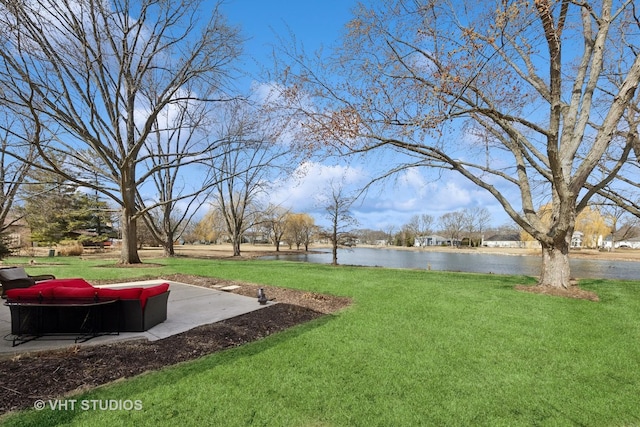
(88, 405)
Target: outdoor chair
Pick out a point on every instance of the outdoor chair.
(16, 277)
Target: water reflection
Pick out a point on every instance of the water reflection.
(468, 262)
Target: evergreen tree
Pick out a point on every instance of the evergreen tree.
(55, 210)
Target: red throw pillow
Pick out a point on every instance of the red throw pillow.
(62, 292)
(124, 293)
(29, 293)
(152, 291)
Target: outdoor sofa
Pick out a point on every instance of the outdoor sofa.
(74, 306)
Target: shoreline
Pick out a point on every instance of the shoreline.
(616, 255)
(250, 251)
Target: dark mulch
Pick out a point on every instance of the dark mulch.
(572, 291)
(49, 375)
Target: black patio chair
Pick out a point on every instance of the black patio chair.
(16, 277)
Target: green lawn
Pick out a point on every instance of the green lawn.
(416, 348)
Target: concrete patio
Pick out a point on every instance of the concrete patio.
(189, 306)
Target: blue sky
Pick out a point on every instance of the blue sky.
(317, 23)
(314, 22)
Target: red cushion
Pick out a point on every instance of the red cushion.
(155, 290)
(62, 292)
(124, 293)
(67, 283)
(152, 291)
(49, 284)
(29, 293)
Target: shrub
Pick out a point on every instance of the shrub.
(70, 248)
(4, 249)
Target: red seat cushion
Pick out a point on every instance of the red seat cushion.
(62, 292)
(152, 291)
(124, 293)
(29, 293)
(80, 289)
(44, 285)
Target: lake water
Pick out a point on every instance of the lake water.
(468, 262)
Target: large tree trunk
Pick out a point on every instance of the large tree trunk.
(556, 271)
(129, 251)
(236, 244)
(168, 246)
(169, 249)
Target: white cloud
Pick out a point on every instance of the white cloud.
(299, 191)
(384, 205)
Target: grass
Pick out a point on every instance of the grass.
(416, 348)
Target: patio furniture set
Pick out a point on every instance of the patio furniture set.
(45, 306)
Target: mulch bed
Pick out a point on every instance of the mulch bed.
(572, 291)
(53, 374)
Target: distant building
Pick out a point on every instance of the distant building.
(632, 243)
(511, 240)
(577, 239)
(18, 234)
(435, 240)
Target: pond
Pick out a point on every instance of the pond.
(468, 262)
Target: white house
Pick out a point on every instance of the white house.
(503, 241)
(632, 243)
(434, 240)
(577, 239)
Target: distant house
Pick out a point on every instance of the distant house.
(632, 243)
(511, 240)
(434, 240)
(577, 239)
(18, 234)
(257, 237)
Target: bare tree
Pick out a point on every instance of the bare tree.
(452, 225)
(275, 219)
(476, 221)
(15, 137)
(622, 224)
(337, 205)
(389, 231)
(308, 231)
(96, 76)
(243, 171)
(628, 230)
(516, 96)
(422, 226)
(236, 198)
(180, 140)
